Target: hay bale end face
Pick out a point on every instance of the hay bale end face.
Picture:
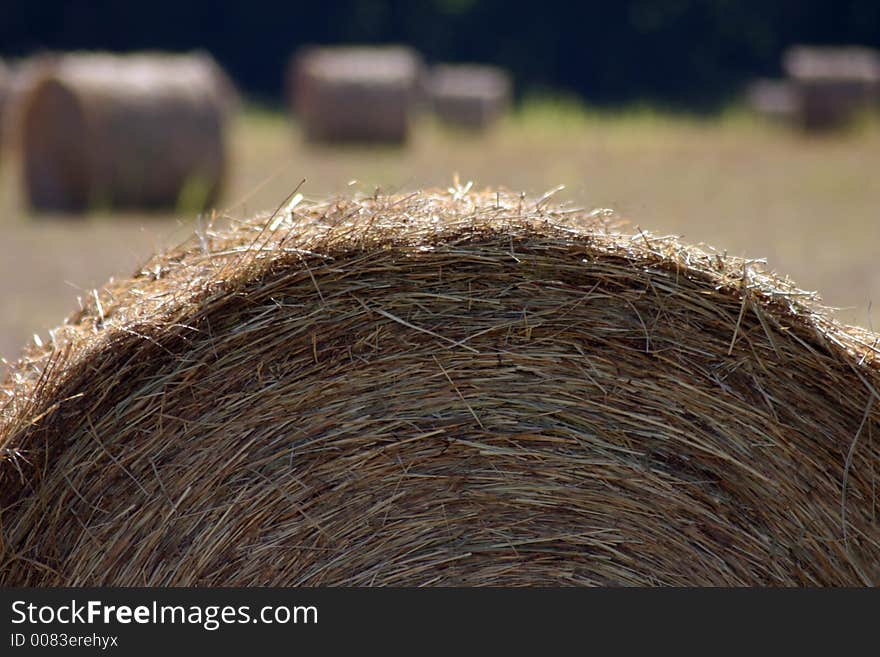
(442, 389)
(21, 75)
(124, 131)
(833, 84)
(469, 96)
(355, 94)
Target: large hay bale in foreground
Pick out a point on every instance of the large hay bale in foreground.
(833, 84)
(435, 389)
(355, 94)
(124, 131)
(469, 96)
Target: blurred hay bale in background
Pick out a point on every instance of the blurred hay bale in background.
(5, 90)
(833, 84)
(442, 388)
(295, 80)
(469, 96)
(21, 75)
(355, 94)
(775, 99)
(140, 131)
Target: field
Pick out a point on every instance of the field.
(810, 205)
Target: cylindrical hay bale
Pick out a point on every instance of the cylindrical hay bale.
(23, 73)
(775, 99)
(834, 84)
(355, 94)
(295, 80)
(125, 131)
(443, 389)
(469, 96)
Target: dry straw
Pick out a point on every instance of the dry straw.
(125, 131)
(437, 389)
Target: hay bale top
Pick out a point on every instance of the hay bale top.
(164, 77)
(23, 73)
(361, 64)
(469, 80)
(443, 387)
(419, 221)
(809, 63)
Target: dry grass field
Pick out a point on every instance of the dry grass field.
(810, 205)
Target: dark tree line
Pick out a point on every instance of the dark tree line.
(672, 51)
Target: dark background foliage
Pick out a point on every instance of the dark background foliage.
(680, 52)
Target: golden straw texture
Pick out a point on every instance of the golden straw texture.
(444, 388)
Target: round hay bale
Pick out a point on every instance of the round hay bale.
(469, 96)
(834, 84)
(775, 99)
(442, 389)
(141, 131)
(21, 76)
(355, 94)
